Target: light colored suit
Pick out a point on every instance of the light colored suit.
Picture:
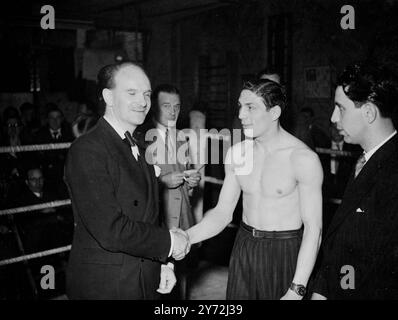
(175, 203)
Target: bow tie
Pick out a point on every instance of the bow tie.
(129, 139)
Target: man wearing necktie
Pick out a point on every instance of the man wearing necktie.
(175, 184)
(120, 249)
(360, 248)
(55, 131)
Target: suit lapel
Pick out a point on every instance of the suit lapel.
(359, 187)
(152, 185)
(123, 152)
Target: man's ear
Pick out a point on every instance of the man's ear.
(276, 112)
(108, 97)
(369, 111)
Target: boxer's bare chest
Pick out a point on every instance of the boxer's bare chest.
(272, 175)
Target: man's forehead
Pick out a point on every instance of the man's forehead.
(54, 113)
(340, 95)
(168, 96)
(34, 172)
(132, 77)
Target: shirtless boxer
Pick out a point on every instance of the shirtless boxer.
(273, 256)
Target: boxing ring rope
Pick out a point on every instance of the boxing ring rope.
(41, 206)
(59, 203)
(338, 153)
(35, 147)
(35, 255)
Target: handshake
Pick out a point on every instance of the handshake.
(181, 243)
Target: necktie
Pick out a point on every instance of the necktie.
(166, 141)
(360, 164)
(132, 143)
(130, 139)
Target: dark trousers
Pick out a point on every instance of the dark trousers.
(262, 264)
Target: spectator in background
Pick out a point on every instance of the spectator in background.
(30, 121)
(55, 131)
(44, 229)
(309, 132)
(176, 181)
(12, 164)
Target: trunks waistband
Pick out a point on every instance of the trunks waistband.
(285, 234)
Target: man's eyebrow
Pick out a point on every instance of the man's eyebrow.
(338, 104)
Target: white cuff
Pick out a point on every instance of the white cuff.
(170, 265)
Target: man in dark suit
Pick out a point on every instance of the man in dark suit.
(55, 131)
(118, 245)
(360, 248)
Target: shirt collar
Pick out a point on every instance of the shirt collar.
(115, 125)
(119, 130)
(162, 127)
(55, 131)
(374, 149)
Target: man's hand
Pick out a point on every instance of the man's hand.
(173, 179)
(167, 279)
(181, 244)
(193, 179)
(291, 295)
(317, 296)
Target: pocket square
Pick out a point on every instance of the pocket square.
(359, 210)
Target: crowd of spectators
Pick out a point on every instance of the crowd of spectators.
(34, 177)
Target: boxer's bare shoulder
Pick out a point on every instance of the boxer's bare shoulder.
(306, 165)
(239, 158)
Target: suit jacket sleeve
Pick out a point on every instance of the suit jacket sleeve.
(384, 250)
(318, 284)
(93, 196)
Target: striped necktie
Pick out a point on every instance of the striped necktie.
(360, 164)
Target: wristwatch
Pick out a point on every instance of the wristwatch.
(298, 288)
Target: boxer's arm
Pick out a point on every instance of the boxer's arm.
(309, 175)
(216, 219)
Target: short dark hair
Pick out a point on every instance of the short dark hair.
(272, 93)
(166, 88)
(52, 107)
(31, 166)
(371, 83)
